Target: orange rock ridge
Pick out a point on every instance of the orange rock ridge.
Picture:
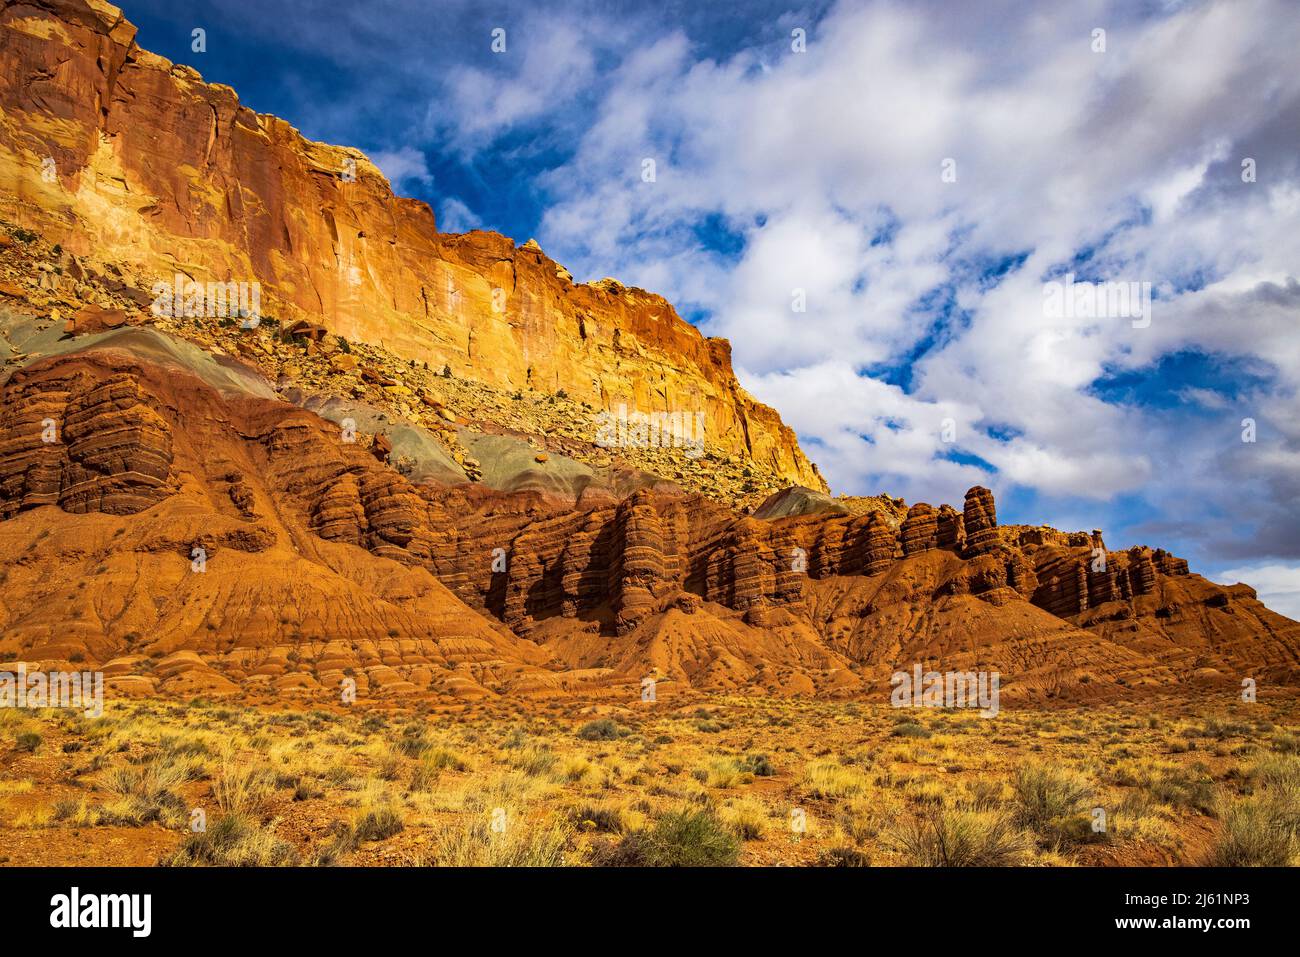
(320, 559)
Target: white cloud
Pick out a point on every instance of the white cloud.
(1058, 150)
(549, 59)
(1278, 586)
(455, 217)
(402, 166)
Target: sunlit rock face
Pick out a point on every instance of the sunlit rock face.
(123, 157)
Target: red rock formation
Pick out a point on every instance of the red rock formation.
(83, 444)
(950, 533)
(880, 545)
(640, 572)
(1168, 564)
(1142, 574)
(920, 531)
(1062, 583)
(980, 522)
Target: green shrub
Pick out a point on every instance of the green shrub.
(909, 729)
(683, 838)
(758, 765)
(603, 729)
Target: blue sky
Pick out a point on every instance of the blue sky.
(916, 174)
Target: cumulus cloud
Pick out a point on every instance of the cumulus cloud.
(537, 66)
(925, 297)
(403, 166)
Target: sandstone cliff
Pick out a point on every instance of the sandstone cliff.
(121, 156)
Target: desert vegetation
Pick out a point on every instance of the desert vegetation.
(732, 781)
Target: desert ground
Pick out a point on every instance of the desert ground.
(715, 781)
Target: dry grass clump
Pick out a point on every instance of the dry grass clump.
(825, 779)
(1053, 802)
(984, 794)
(955, 837)
(517, 842)
(1262, 830)
(533, 759)
(607, 818)
(1259, 831)
(146, 793)
(723, 773)
(242, 788)
(432, 764)
(747, 817)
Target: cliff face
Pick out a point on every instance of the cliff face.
(124, 158)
